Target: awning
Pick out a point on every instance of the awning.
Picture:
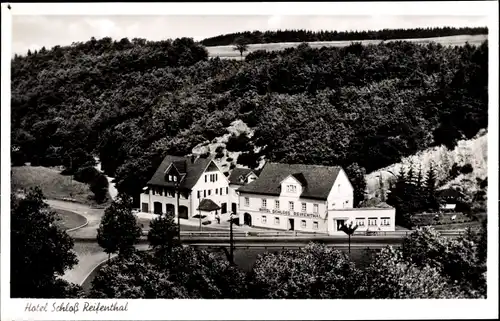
(208, 205)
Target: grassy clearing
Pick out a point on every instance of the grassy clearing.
(227, 52)
(53, 184)
(69, 219)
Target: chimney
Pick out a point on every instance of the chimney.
(193, 158)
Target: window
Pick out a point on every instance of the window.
(209, 192)
(276, 220)
(315, 208)
(264, 203)
(247, 201)
(277, 204)
(290, 206)
(227, 190)
(303, 223)
(175, 178)
(385, 221)
(360, 221)
(315, 225)
(170, 193)
(170, 178)
(304, 207)
(199, 194)
(221, 191)
(264, 219)
(204, 193)
(291, 188)
(372, 221)
(216, 191)
(206, 178)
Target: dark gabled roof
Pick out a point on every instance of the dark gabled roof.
(319, 179)
(191, 171)
(236, 173)
(450, 193)
(208, 205)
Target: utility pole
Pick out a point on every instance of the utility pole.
(178, 214)
(231, 245)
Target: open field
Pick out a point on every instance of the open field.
(227, 52)
(69, 219)
(53, 184)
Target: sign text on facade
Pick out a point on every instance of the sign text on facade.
(289, 213)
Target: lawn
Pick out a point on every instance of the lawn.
(53, 184)
(227, 52)
(69, 219)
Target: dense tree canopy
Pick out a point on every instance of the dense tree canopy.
(40, 251)
(131, 102)
(323, 35)
(187, 273)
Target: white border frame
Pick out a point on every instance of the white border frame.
(12, 309)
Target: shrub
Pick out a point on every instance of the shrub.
(232, 166)
(219, 149)
(86, 174)
(99, 186)
(229, 159)
(466, 169)
(239, 143)
(250, 159)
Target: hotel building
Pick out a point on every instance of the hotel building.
(307, 198)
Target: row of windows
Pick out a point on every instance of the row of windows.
(211, 177)
(291, 205)
(172, 178)
(303, 223)
(372, 221)
(291, 189)
(217, 191)
(167, 192)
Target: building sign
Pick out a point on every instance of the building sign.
(289, 213)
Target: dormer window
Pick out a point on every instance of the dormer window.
(291, 188)
(175, 178)
(170, 178)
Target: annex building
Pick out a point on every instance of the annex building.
(307, 198)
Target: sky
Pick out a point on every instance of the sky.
(33, 32)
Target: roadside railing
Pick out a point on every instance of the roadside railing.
(303, 234)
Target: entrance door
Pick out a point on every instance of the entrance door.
(291, 223)
(170, 209)
(223, 209)
(247, 219)
(234, 208)
(158, 208)
(183, 212)
(340, 223)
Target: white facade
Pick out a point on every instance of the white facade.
(212, 184)
(367, 219)
(290, 211)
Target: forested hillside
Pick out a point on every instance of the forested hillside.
(311, 36)
(130, 102)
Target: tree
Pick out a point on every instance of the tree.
(99, 186)
(240, 45)
(40, 251)
(430, 189)
(349, 228)
(162, 235)
(188, 274)
(391, 276)
(455, 259)
(313, 272)
(118, 231)
(356, 175)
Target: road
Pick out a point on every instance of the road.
(91, 255)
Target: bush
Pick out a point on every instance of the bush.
(219, 149)
(219, 155)
(239, 143)
(229, 159)
(466, 169)
(232, 166)
(86, 174)
(99, 186)
(250, 159)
